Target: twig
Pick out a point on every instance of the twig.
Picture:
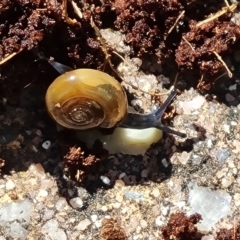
(9, 57)
(223, 63)
(77, 10)
(226, 2)
(188, 43)
(177, 20)
(65, 14)
(219, 77)
(218, 14)
(200, 82)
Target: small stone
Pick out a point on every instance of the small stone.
(39, 132)
(233, 87)
(37, 170)
(237, 199)
(119, 183)
(208, 237)
(98, 223)
(143, 223)
(10, 185)
(184, 157)
(116, 205)
(227, 181)
(229, 97)
(46, 145)
(61, 204)
(192, 105)
(37, 140)
(222, 155)
(94, 218)
(165, 163)
(52, 231)
(158, 221)
(76, 202)
(83, 225)
(104, 208)
(42, 193)
(119, 197)
(226, 128)
(144, 173)
(202, 200)
(48, 214)
(122, 175)
(156, 192)
(164, 211)
(105, 180)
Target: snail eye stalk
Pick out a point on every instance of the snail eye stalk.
(140, 121)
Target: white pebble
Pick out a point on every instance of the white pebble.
(94, 218)
(43, 193)
(105, 180)
(83, 224)
(122, 175)
(143, 223)
(98, 223)
(164, 211)
(158, 221)
(233, 87)
(76, 202)
(10, 185)
(165, 163)
(46, 145)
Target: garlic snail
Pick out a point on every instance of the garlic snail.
(86, 98)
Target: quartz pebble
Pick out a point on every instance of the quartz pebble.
(14, 218)
(46, 145)
(76, 202)
(159, 221)
(123, 174)
(94, 218)
(222, 155)
(105, 180)
(83, 225)
(212, 205)
(52, 230)
(10, 185)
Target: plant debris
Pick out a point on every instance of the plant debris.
(77, 162)
(112, 230)
(28, 22)
(199, 46)
(181, 227)
(197, 34)
(229, 234)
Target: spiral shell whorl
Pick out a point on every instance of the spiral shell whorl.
(86, 98)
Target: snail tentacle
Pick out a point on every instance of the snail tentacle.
(140, 121)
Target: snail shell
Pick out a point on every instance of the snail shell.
(86, 98)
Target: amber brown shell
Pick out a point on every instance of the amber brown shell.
(86, 98)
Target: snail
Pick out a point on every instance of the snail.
(84, 99)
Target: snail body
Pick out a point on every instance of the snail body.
(86, 98)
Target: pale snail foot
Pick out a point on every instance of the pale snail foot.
(135, 120)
